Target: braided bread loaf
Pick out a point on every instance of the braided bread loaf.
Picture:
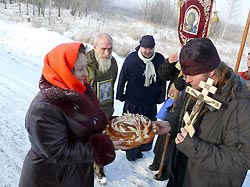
(135, 129)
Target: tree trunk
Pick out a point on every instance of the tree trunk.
(80, 10)
(43, 8)
(74, 8)
(34, 10)
(19, 7)
(50, 4)
(59, 8)
(67, 6)
(27, 7)
(39, 7)
(5, 4)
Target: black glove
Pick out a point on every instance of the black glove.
(179, 83)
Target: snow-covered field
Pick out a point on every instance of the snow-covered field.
(21, 60)
(22, 49)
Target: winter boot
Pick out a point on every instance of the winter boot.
(155, 165)
(164, 175)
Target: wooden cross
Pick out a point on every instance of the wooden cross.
(202, 97)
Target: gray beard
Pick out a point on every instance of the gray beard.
(103, 64)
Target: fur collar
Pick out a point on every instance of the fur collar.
(85, 109)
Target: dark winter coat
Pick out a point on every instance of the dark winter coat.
(218, 154)
(64, 129)
(95, 77)
(138, 98)
(167, 72)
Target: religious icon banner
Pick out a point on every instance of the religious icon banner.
(104, 91)
(194, 19)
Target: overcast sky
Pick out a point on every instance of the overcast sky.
(240, 14)
(222, 6)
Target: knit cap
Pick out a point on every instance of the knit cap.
(147, 41)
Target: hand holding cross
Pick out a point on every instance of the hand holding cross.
(202, 97)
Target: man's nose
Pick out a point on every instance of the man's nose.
(106, 52)
(188, 79)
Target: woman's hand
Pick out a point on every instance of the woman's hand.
(181, 136)
(164, 127)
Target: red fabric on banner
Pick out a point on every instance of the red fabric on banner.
(194, 19)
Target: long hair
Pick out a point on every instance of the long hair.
(223, 73)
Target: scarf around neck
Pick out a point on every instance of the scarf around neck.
(149, 71)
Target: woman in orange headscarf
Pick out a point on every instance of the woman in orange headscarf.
(64, 123)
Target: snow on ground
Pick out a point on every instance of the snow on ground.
(21, 60)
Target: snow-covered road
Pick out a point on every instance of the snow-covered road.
(22, 49)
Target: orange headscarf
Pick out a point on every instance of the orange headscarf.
(58, 67)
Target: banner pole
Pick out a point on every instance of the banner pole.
(243, 41)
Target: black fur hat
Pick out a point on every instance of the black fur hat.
(198, 56)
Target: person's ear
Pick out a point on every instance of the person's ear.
(212, 73)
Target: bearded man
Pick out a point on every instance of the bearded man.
(102, 69)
